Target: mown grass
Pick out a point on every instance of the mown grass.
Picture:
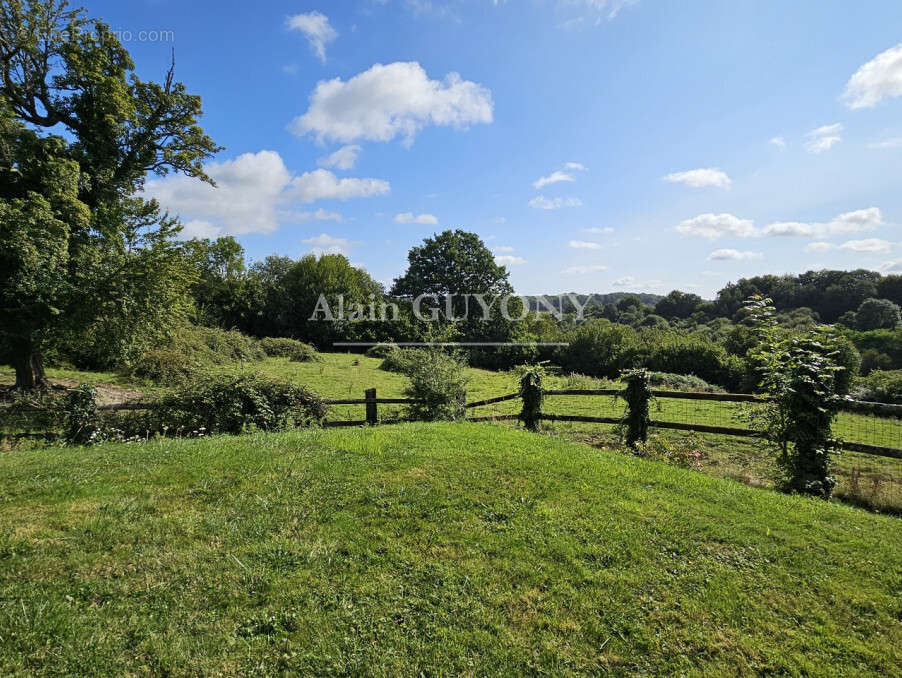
(429, 550)
(875, 482)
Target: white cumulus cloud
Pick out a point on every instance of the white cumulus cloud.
(894, 266)
(254, 193)
(411, 218)
(878, 79)
(597, 230)
(584, 245)
(540, 202)
(245, 200)
(857, 221)
(316, 28)
(327, 244)
(703, 177)
(552, 178)
(509, 260)
(823, 138)
(779, 142)
(344, 158)
(867, 246)
(390, 100)
(321, 184)
(713, 226)
(733, 255)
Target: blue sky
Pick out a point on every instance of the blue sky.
(682, 145)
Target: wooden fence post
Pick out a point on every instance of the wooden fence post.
(372, 414)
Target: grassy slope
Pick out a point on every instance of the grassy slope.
(873, 481)
(464, 549)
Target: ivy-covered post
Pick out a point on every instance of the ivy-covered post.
(80, 415)
(637, 396)
(532, 396)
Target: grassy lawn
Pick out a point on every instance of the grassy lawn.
(429, 549)
(871, 481)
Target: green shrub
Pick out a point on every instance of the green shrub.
(219, 346)
(165, 366)
(598, 348)
(576, 381)
(225, 404)
(381, 350)
(400, 360)
(872, 359)
(282, 347)
(881, 386)
(681, 382)
(192, 349)
(694, 355)
(439, 384)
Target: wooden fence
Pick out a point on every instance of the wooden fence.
(371, 402)
(882, 409)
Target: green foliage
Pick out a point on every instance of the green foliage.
(886, 342)
(877, 314)
(282, 347)
(872, 359)
(678, 305)
(636, 419)
(452, 262)
(401, 359)
(381, 350)
(799, 378)
(81, 424)
(531, 394)
(598, 348)
(881, 386)
(681, 353)
(685, 452)
(193, 349)
(681, 382)
(87, 263)
(227, 404)
(438, 382)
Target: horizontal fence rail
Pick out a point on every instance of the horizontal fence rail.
(866, 415)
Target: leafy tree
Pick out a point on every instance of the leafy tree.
(456, 263)
(79, 131)
(877, 314)
(453, 262)
(328, 277)
(219, 289)
(890, 287)
(678, 305)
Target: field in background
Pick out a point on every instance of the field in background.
(428, 549)
(874, 482)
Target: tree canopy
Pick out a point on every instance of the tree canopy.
(83, 253)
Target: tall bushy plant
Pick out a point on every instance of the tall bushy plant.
(799, 376)
(636, 419)
(532, 395)
(438, 383)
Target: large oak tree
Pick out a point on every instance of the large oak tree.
(82, 256)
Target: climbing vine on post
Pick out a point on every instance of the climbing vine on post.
(532, 395)
(637, 395)
(80, 416)
(798, 374)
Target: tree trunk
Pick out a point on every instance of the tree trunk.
(29, 367)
